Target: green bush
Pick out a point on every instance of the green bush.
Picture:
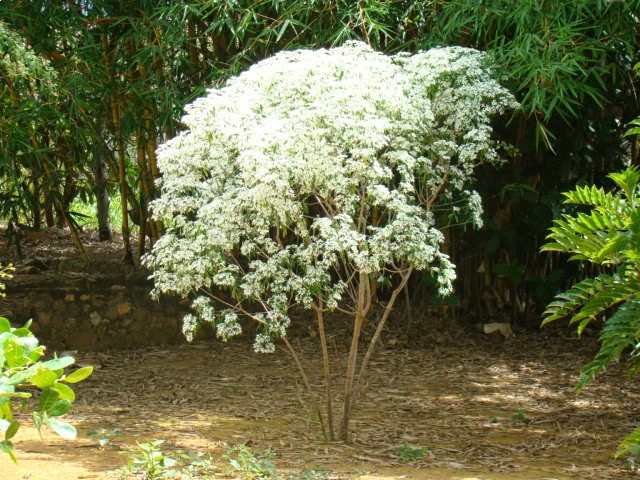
(606, 235)
(21, 371)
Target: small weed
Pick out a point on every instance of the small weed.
(249, 466)
(235, 389)
(147, 460)
(312, 474)
(520, 416)
(103, 437)
(407, 453)
(494, 418)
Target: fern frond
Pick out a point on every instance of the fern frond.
(612, 292)
(621, 332)
(565, 239)
(594, 197)
(627, 181)
(630, 445)
(576, 297)
(598, 220)
(613, 251)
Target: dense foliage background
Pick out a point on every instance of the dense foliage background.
(89, 89)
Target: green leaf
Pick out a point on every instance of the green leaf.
(629, 444)
(576, 297)
(620, 333)
(59, 408)
(15, 394)
(63, 429)
(43, 377)
(5, 325)
(65, 392)
(59, 363)
(12, 430)
(38, 422)
(14, 353)
(48, 398)
(7, 447)
(78, 375)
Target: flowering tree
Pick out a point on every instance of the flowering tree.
(315, 176)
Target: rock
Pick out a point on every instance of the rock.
(69, 298)
(95, 319)
(123, 308)
(504, 329)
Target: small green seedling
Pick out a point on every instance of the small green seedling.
(520, 416)
(249, 466)
(407, 453)
(103, 437)
(147, 460)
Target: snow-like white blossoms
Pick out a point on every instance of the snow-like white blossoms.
(315, 165)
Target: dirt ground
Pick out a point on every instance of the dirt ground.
(484, 409)
(470, 406)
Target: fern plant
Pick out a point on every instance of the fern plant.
(608, 235)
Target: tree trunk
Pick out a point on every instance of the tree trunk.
(363, 305)
(102, 197)
(122, 182)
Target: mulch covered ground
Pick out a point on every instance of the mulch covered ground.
(449, 404)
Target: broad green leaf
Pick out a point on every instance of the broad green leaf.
(12, 430)
(65, 392)
(22, 332)
(79, 375)
(59, 408)
(59, 363)
(48, 397)
(6, 411)
(63, 429)
(14, 353)
(22, 376)
(43, 377)
(5, 325)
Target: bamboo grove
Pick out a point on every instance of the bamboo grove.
(89, 89)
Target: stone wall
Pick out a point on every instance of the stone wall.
(91, 306)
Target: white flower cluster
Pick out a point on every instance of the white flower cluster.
(313, 165)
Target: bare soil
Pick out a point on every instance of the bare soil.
(484, 409)
(482, 406)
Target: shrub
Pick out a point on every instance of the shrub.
(21, 369)
(607, 235)
(315, 177)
